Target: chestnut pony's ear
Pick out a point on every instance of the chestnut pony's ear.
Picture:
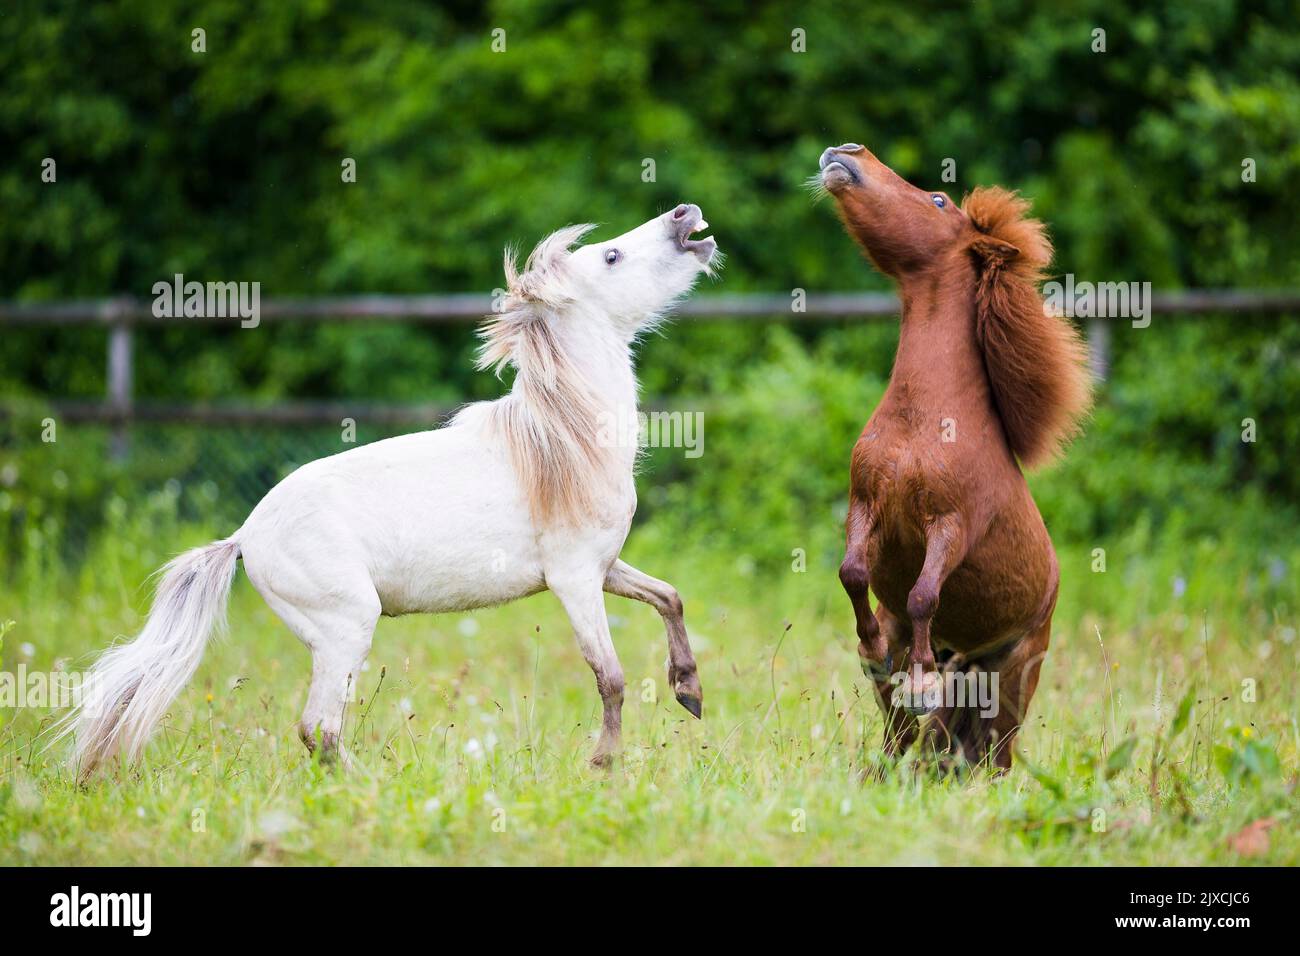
(990, 250)
(1006, 237)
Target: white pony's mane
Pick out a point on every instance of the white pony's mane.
(549, 421)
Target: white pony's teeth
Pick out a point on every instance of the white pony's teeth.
(701, 226)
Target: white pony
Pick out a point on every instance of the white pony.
(510, 498)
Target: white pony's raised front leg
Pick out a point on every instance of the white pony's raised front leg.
(584, 602)
(339, 639)
(626, 581)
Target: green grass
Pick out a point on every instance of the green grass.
(472, 749)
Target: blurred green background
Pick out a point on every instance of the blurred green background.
(226, 165)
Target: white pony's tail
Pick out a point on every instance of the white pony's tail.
(131, 686)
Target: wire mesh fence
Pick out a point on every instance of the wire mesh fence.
(56, 494)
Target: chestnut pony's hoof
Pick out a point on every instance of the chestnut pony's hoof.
(919, 696)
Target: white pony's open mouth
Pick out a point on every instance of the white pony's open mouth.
(687, 220)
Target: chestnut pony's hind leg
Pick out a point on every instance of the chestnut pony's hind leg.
(993, 739)
(882, 639)
(901, 727)
(1017, 681)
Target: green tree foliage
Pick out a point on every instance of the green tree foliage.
(226, 164)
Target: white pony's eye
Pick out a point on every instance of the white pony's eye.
(612, 256)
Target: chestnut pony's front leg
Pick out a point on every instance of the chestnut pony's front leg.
(945, 548)
(855, 577)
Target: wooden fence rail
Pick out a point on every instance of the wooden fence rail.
(470, 307)
(121, 314)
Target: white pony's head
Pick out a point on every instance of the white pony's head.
(635, 277)
(626, 283)
(566, 309)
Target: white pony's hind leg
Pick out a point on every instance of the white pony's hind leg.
(337, 630)
(584, 602)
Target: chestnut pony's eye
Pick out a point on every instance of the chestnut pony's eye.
(612, 256)
(938, 200)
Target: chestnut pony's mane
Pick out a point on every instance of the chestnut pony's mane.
(1036, 362)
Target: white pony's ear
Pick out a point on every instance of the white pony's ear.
(517, 335)
(543, 277)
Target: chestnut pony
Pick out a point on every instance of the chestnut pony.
(941, 525)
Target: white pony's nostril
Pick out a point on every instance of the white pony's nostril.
(680, 211)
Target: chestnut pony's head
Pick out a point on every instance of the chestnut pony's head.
(905, 230)
(1036, 363)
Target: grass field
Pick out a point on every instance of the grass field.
(472, 732)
